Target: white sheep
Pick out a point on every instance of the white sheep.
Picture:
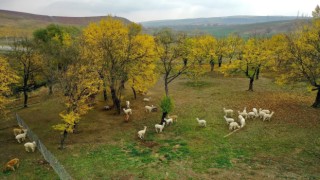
(30, 145)
(22, 136)
(128, 104)
(160, 127)
(202, 122)
(268, 116)
(233, 126)
(149, 108)
(228, 111)
(107, 107)
(141, 133)
(242, 121)
(245, 110)
(266, 111)
(168, 121)
(261, 113)
(147, 99)
(255, 111)
(126, 111)
(243, 114)
(228, 120)
(251, 115)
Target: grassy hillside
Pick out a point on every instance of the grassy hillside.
(244, 30)
(23, 24)
(228, 20)
(106, 147)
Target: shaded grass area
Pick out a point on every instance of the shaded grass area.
(108, 148)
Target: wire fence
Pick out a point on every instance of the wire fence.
(48, 156)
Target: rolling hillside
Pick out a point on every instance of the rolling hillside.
(23, 24)
(222, 26)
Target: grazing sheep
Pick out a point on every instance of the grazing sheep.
(251, 115)
(202, 122)
(228, 111)
(245, 110)
(22, 136)
(160, 127)
(141, 133)
(126, 111)
(149, 108)
(17, 131)
(255, 111)
(266, 111)
(242, 121)
(233, 126)
(243, 114)
(228, 120)
(11, 165)
(268, 116)
(128, 104)
(147, 99)
(107, 107)
(173, 117)
(30, 145)
(261, 114)
(168, 121)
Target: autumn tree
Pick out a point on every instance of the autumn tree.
(79, 82)
(253, 60)
(27, 62)
(303, 63)
(7, 78)
(203, 52)
(119, 48)
(50, 42)
(221, 50)
(173, 49)
(233, 47)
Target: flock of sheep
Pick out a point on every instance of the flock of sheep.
(263, 114)
(20, 134)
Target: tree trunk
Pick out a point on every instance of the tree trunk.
(164, 114)
(212, 65)
(105, 97)
(115, 99)
(25, 94)
(316, 103)
(63, 138)
(134, 92)
(220, 60)
(251, 84)
(258, 73)
(166, 88)
(50, 89)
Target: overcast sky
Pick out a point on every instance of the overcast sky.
(145, 10)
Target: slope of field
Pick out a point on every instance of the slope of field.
(23, 24)
(106, 147)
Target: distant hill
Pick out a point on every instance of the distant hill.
(216, 21)
(23, 24)
(222, 26)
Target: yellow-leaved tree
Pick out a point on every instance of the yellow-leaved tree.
(7, 78)
(119, 48)
(303, 62)
(80, 83)
(252, 61)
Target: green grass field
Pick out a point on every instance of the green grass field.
(106, 147)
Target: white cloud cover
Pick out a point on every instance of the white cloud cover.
(145, 10)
